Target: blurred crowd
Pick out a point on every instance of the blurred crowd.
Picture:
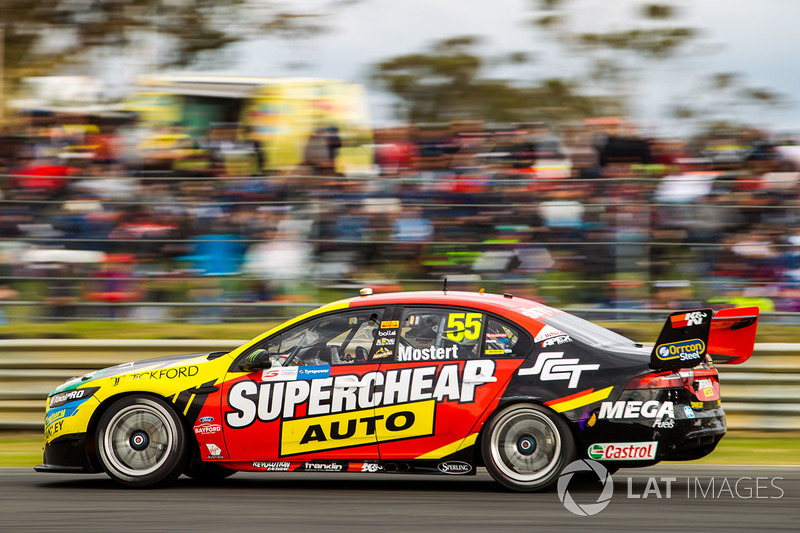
(104, 211)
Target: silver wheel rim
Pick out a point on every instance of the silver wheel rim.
(138, 439)
(526, 445)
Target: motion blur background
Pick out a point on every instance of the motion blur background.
(237, 160)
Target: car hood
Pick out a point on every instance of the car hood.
(128, 368)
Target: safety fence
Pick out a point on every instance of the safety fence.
(209, 249)
(761, 395)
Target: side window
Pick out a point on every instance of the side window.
(437, 334)
(341, 338)
(504, 340)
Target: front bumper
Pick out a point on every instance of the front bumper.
(67, 454)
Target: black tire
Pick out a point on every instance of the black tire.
(141, 442)
(525, 447)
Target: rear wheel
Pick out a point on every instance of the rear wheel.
(141, 442)
(525, 447)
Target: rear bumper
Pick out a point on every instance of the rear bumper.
(689, 438)
(67, 454)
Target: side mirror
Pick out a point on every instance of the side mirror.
(258, 360)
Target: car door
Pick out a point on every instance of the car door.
(444, 376)
(317, 399)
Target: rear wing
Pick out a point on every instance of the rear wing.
(687, 336)
(733, 335)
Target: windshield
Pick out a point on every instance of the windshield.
(587, 332)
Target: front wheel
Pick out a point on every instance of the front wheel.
(141, 442)
(525, 447)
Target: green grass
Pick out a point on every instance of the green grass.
(21, 449)
(756, 449)
(25, 449)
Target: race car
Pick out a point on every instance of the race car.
(419, 382)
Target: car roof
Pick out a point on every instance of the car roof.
(520, 309)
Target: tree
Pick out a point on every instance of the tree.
(446, 82)
(43, 37)
(618, 63)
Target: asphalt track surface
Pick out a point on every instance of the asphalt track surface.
(31, 501)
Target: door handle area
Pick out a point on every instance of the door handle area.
(480, 379)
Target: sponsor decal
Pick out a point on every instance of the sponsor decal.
(454, 467)
(384, 424)
(214, 451)
(52, 429)
(579, 399)
(371, 467)
(281, 373)
(390, 324)
(688, 411)
(706, 390)
(501, 335)
(207, 429)
(550, 367)
(494, 352)
(667, 423)
(57, 400)
(546, 332)
(249, 400)
(313, 372)
(696, 405)
(291, 373)
(382, 353)
(553, 341)
(382, 333)
(623, 451)
(52, 417)
(311, 466)
(385, 341)
(636, 409)
(694, 318)
(168, 373)
(273, 466)
(206, 419)
(59, 414)
(539, 312)
(432, 353)
(684, 350)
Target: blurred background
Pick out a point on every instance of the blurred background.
(199, 162)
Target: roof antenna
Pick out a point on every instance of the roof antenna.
(444, 286)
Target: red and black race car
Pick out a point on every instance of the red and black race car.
(420, 382)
